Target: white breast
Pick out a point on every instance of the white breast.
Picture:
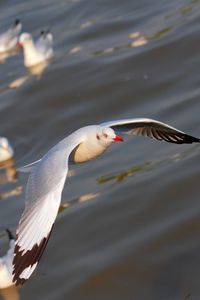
(32, 56)
(5, 276)
(87, 151)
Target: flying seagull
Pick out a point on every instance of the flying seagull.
(47, 179)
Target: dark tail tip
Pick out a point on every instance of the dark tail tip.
(10, 235)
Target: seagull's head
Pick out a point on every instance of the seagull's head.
(106, 136)
(24, 39)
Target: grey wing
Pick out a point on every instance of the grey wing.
(44, 43)
(153, 129)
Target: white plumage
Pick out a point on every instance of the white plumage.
(38, 52)
(8, 39)
(6, 267)
(47, 178)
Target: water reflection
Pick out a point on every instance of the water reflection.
(38, 69)
(14, 192)
(80, 199)
(142, 38)
(179, 16)
(10, 293)
(35, 71)
(121, 175)
(147, 166)
(5, 55)
(75, 50)
(138, 40)
(18, 82)
(8, 174)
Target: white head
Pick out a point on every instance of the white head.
(25, 39)
(106, 135)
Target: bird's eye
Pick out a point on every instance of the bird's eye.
(105, 135)
(98, 137)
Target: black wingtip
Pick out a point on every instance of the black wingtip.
(189, 139)
(17, 21)
(28, 259)
(44, 32)
(10, 235)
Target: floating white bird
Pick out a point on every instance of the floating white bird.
(6, 151)
(47, 178)
(8, 39)
(36, 53)
(6, 267)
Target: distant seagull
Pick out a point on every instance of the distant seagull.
(38, 52)
(9, 38)
(6, 264)
(6, 151)
(47, 179)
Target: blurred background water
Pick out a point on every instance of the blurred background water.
(129, 223)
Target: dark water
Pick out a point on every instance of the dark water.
(130, 221)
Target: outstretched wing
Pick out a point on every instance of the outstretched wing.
(153, 129)
(43, 196)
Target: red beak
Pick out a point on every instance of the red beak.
(19, 44)
(118, 138)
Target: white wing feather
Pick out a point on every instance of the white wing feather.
(43, 196)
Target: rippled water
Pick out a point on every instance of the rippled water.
(130, 220)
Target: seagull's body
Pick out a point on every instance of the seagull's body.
(48, 175)
(8, 39)
(38, 52)
(6, 267)
(6, 151)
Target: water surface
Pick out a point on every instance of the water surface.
(130, 221)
